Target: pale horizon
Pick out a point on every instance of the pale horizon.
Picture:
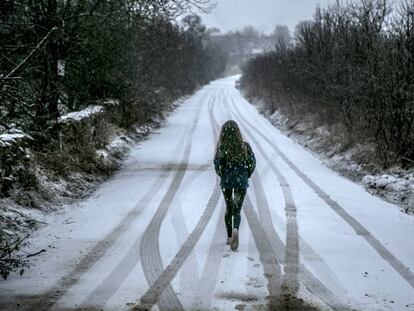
(232, 15)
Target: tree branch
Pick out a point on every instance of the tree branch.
(30, 54)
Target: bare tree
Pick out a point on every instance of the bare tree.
(352, 67)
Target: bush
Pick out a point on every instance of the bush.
(15, 168)
(352, 65)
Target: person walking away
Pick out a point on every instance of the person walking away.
(234, 162)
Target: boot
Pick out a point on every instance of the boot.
(235, 240)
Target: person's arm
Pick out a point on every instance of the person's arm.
(251, 161)
(217, 165)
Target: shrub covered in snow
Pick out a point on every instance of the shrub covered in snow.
(15, 168)
(88, 112)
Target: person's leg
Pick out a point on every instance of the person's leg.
(239, 195)
(238, 202)
(228, 217)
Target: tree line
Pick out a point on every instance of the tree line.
(241, 45)
(351, 67)
(58, 56)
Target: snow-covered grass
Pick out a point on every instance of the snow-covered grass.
(396, 185)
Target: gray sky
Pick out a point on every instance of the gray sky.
(263, 14)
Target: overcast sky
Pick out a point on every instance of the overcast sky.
(263, 14)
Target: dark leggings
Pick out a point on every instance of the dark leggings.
(233, 207)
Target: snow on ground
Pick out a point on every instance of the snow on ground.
(154, 233)
(25, 210)
(82, 114)
(395, 184)
(398, 187)
(11, 137)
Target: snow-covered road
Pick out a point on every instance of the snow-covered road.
(153, 236)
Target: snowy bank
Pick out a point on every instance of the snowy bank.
(396, 185)
(27, 204)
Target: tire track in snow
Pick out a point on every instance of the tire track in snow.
(150, 298)
(209, 277)
(302, 274)
(270, 271)
(150, 249)
(108, 287)
(277, 298)
(114, 280)
(161, 282)
(203, 281)
(267, 256)
(266, 219)
(291, 254)
(46, 300)
(181, 233)
(293, 268)
(359, 229)
(191, 267)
